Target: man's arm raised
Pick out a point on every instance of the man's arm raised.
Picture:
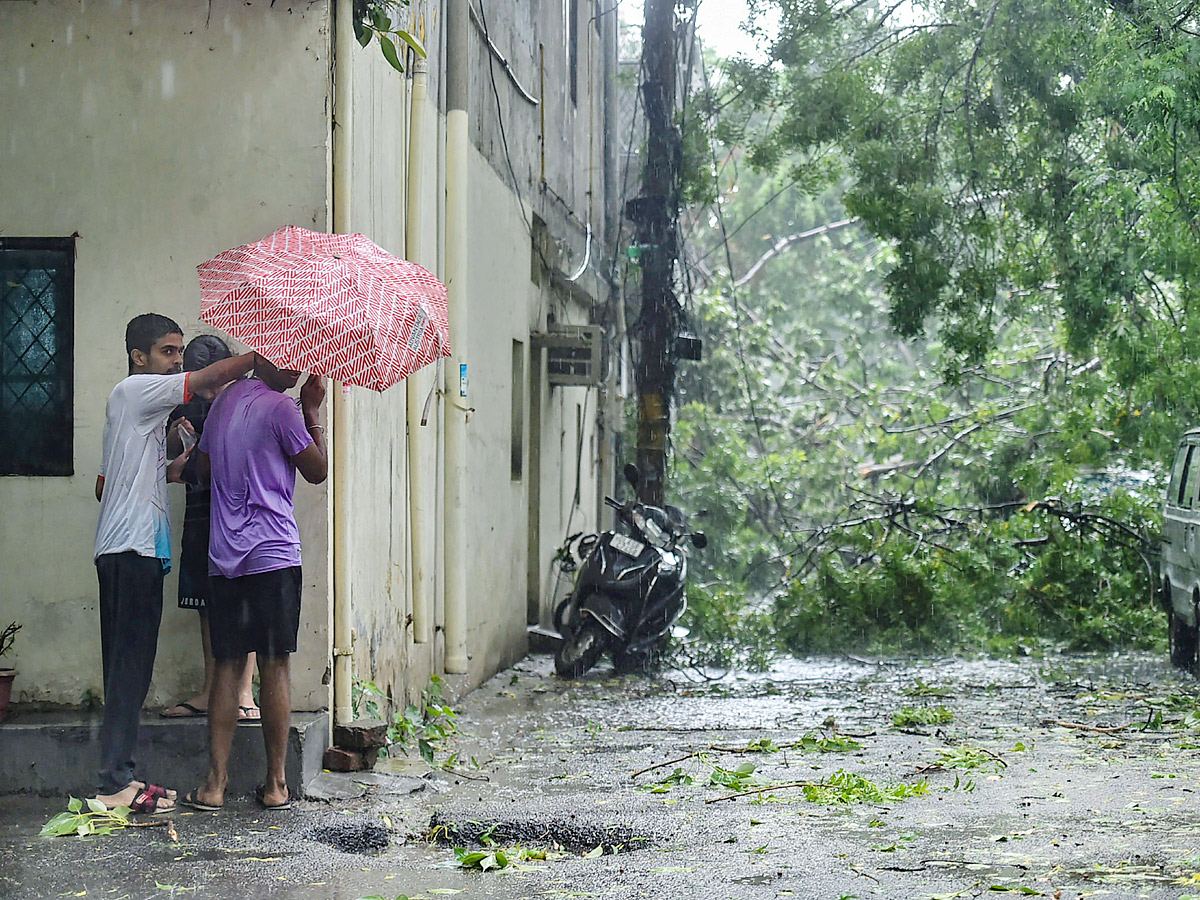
(221, 372)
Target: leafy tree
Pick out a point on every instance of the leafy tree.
(1017, 154)
(859, 497)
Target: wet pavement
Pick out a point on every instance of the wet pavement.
(1062, 777)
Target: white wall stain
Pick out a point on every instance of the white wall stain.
(168, 80)
(87, 102)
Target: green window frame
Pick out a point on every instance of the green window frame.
(37, 356)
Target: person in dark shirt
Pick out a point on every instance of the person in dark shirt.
(193, 559)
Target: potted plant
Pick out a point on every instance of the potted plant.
(7, 637)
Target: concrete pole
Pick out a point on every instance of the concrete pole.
(343, 635)
(457, 376)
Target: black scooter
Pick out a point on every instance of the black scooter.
(629, 590)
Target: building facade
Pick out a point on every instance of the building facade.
(142, 138)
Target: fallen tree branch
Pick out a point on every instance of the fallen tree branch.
(1100, 728)
(769, 787)
(669, 762)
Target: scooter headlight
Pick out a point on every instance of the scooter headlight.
(656, 535)
(639, 521)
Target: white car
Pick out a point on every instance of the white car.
(1180, 568)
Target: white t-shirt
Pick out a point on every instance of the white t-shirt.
(133, 505)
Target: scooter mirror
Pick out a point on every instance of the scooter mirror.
(699, 541)
(631, 474)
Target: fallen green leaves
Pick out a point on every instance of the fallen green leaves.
(98, 819)
(969, 759)
(836, 743)
(921, 689)
(740, 779)
(844, 787)
(810, 742)
(483, 860)
(514, 859)
(910, 716)
(840, 788)
(664, 785)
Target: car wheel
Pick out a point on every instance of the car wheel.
(1183, 643)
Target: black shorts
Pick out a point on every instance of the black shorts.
(257, 613)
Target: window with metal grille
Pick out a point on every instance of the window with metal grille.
(37, 346)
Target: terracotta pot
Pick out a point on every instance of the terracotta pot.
(6, 680)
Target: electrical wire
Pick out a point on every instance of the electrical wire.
(500, 119)
(508, 158)
(508, 69)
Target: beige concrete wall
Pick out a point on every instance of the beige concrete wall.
(166, 132)
(162, 132)
(505, 306)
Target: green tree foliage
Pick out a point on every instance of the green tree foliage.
(1017, 155)
(901, 420)
(858, 497)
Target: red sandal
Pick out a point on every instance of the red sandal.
(145, 801)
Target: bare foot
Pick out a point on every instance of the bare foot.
(205, 798)
(141, 798)
(275, 796)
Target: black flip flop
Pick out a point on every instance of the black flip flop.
(192, 711)
(190, 800)
(260, 794)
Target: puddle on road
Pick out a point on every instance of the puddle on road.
(352, 837)
(574, 836)
(756, 879)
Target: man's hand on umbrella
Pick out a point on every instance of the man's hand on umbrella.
(313, 461)
(312, 395)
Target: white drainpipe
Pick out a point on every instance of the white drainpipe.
(418, 384)
(343, 662)
(456, 384)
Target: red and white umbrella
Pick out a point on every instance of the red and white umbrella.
(331, 304)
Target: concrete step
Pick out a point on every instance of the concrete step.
(58, 752)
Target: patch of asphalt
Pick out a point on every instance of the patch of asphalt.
(1065, 777)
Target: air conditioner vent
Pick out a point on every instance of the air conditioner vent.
(572, 354)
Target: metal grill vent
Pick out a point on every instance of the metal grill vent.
(572, 354)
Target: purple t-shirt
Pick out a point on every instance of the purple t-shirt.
(251, 435)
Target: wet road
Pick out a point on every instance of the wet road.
(1066, 777)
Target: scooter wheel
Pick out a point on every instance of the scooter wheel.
(561, 615)
(581, 650)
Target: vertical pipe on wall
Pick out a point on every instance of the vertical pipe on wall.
(542, 107)
(456, 385)
(417, 384)
(343, 663)
(613, 407)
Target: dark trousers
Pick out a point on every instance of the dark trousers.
(131, 597)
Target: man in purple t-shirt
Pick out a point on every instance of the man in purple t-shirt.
(255, 439)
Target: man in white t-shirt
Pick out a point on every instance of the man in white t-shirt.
(133, 539)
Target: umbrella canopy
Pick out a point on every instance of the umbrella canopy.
(331, 304)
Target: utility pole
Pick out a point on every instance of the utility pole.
(654, 213)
